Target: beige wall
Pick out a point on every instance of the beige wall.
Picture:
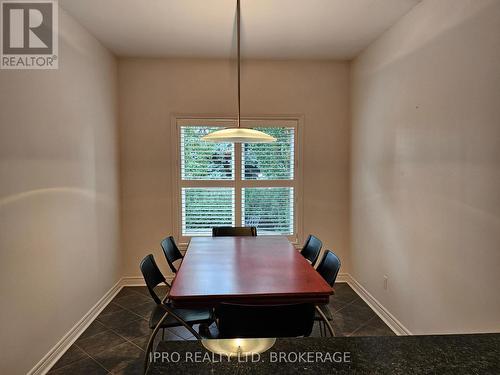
(152, 90)
(425, 167)
(59, 219)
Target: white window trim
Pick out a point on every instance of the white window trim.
(179, 120)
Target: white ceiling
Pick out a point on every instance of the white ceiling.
(274, 29)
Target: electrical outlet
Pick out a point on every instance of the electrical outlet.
(386, 282)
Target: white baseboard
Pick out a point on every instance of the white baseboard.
(343, 277)
(46, 363)
(397, 327)
(139, 280)
(133, 281)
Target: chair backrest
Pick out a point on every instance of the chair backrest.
(171, 252)
(234, 231)
(312, 248)
(152, 275)
(251, 321)
(329, 267)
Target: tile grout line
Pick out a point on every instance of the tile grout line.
(99, 363)
(126, 309)
(347, 304)
(363, 325)
(143, 318)
(110, 329)
(92, 358)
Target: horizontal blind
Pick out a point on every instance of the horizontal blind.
(202, 160)
(270, 161)
(271, 210)
(204, 208)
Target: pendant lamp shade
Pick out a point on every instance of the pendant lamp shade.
(238, 135)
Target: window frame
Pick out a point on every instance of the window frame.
(177, 121)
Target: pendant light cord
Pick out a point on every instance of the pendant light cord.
(238, 48)
(238, 134)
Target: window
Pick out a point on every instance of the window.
(237, 184)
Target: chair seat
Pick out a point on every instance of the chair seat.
(326, 310)
(190, 316)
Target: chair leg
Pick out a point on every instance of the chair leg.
(157, 328)
(151, 341)
(330, 328)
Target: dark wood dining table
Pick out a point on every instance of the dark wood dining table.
(263, 270)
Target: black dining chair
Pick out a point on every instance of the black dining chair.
(164, 315)
(328, 268)
(312, 248)
(257, 321)
(234, 232)
(171, 252)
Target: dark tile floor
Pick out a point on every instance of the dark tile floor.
(115, 341)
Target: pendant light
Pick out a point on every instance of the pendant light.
(238, 134)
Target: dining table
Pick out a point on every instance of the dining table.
(261, 270)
